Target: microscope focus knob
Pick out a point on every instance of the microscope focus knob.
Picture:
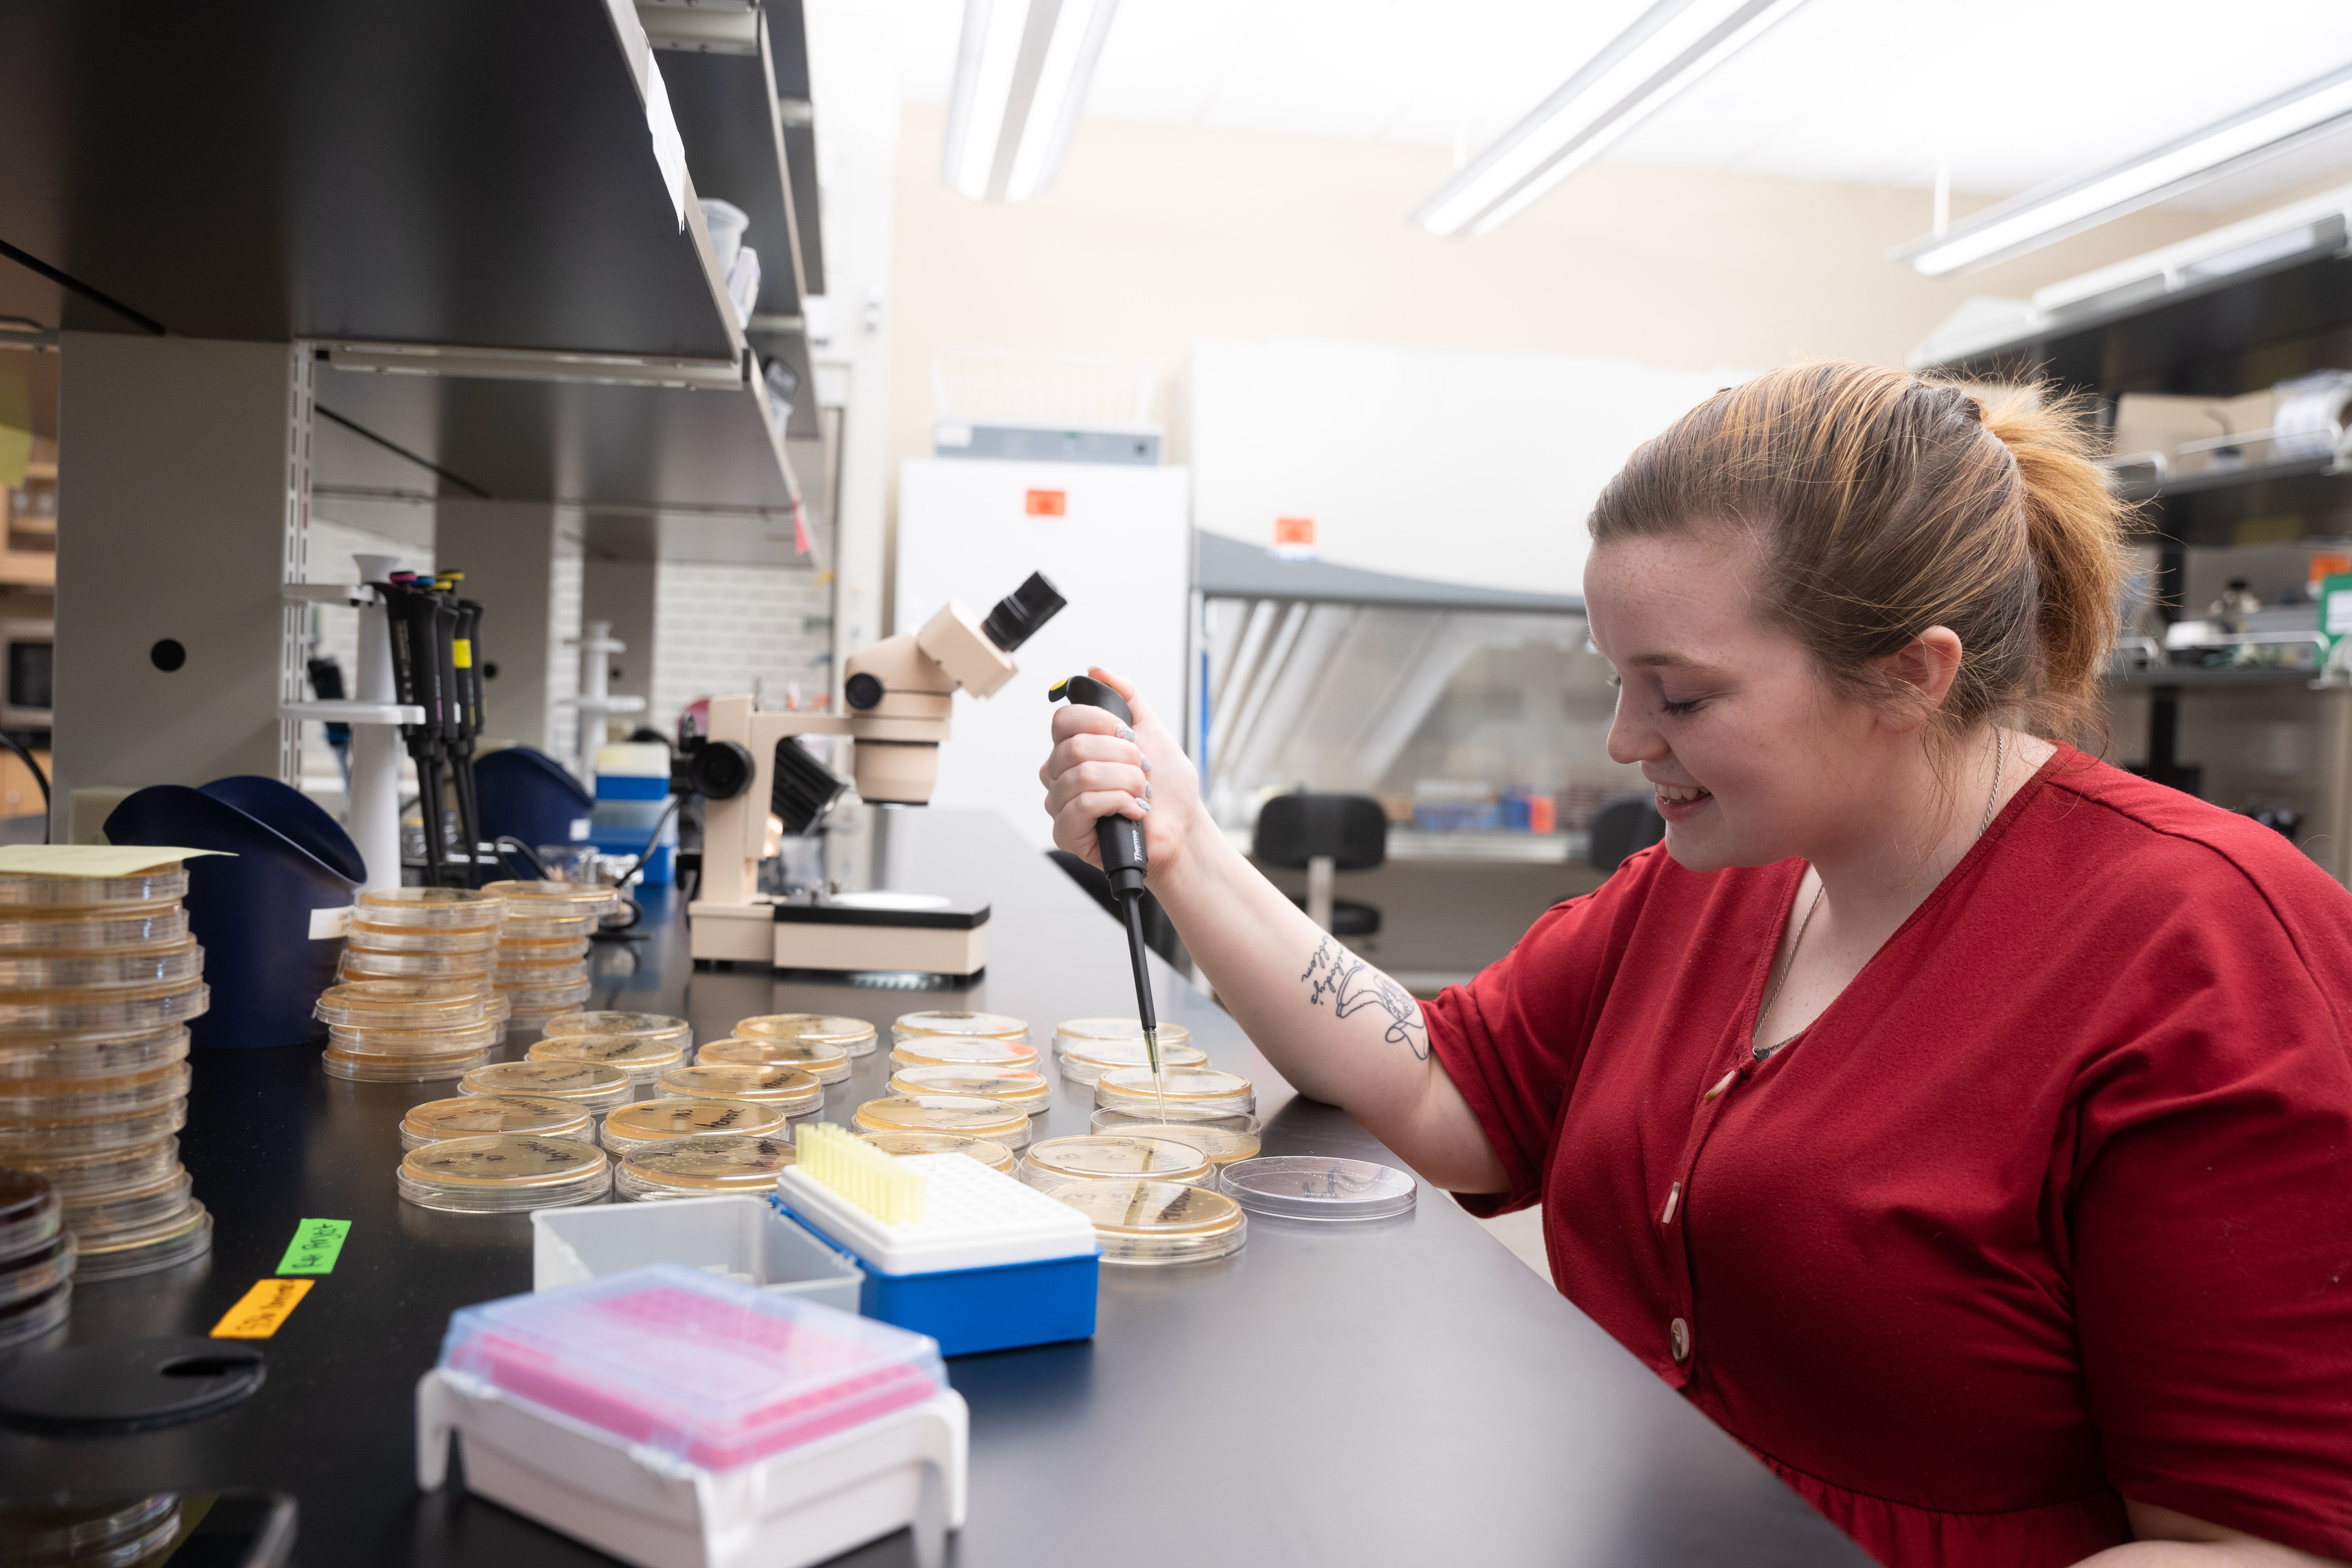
(862, 690)
(722, 769)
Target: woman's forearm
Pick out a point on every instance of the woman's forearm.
(1338, 1029)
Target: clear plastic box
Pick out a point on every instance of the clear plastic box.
(708, 1371)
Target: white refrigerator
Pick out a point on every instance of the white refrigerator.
(1116, 540)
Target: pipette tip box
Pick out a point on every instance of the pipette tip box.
(992, 1265)
(676, 1420)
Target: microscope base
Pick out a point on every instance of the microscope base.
(952, 940)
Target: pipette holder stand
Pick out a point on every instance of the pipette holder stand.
(596, 644)
(373, 819)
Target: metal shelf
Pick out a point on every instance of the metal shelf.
(2185, 676)
(354, 713)
(2271, 503)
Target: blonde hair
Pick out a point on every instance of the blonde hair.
(1885, 503)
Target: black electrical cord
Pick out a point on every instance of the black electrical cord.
(653, 842)
(40, 777)
(508, 846)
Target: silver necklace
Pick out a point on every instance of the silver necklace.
(2000, 757)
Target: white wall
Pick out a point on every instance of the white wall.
(724, 629)
(1462, 465)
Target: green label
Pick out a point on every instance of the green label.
(317, 1243)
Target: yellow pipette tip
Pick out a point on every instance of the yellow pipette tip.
(877, 1183)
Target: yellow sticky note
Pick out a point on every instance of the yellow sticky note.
(262, 1309)
(91, 859)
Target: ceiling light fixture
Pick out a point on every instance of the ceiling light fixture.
(1022, 72)
(2043, 216)
(1670, 47)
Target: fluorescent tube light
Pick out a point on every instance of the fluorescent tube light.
(1022, 73)
(2054, 212)
(1669, 48)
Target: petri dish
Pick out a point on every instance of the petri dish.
(121, 1253)
(488, 1115)
(1096, 1155)
(48, 1139)
(29, 1212)
(46, 1098)
(30, 1321)
(38, 1271)
(959, 1114)
(539, 1004)
(1147, 1222)
(1192, 1088)
(98, 1057)
(826, 1064)
(701, 1167)
(647, 1122)
(105, 1171)
(105, 1533)
(360, 963)
(641, 1060)
(789, 1089)
(455, 908)
(511, 951)
(464, 1039)
(992, 1154)
(162, 883)
(954, 1050)
(423, 939)
(1085, 1061)
(636, 1025)
(133, 925)
(1016, 1086)
(1318, 1186)
(130, 1010)
(361, 1067)
(525, 928)
(504, 1173)
(1223, 1136)
(405, 1003)
(591, 1086)
(537, 900)
(167, 963)
(134, 1208)
(855, 1035)
(992, 1026)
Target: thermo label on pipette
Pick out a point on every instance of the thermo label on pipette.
(317, 1243)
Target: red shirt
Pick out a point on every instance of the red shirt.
(2052, 1206)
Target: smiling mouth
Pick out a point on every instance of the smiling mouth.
(1680, 793)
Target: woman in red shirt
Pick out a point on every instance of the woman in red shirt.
(1964, 1124)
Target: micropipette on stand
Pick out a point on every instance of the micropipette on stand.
(1120, 842)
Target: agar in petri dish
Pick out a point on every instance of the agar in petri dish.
(1148, 1222)
(628, 1127)
(457, 907)
(33, 1100)
(961, 1114)
(635, 1025)
(158, 884)
(408, 1004)
(789, 1089)
(963, 1050)
(642, 1056)
(966, 1026)
(855, 1035)
(123, 1011)
(359, 1040)
(1085, 1061)
(1201, 1089)
(109, 1170)
(92, 1216)
(487, 1115)
(1318, 1186)
(361, 1067)
(993, 1155)
(591, 1086)
(28, 1320)
(824, 1063)
(504, 1173)
(423, 939)
(361, 963)
(699, 1167)
(167, 963)
(29, 1212)
(541, 898)
(1222, 1136)
(101, 1056)
(85, 929)
(1099, 1155)
(1016, 1087)
(38, 1271)
(48, 1139)
(117, 1255)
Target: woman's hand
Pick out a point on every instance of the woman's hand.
(1100, 767)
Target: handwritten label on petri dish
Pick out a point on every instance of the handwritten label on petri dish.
(317, 1243)
(260, 1311)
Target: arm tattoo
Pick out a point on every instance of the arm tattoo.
(1353, 984)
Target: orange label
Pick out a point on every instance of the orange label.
(261, 1309)
(1048, 503)
(1294, 531)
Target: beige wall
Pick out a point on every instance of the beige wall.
(1154, 237)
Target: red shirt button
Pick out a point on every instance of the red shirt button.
(1679, 1340)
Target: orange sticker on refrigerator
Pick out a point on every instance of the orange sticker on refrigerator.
(1048, 503)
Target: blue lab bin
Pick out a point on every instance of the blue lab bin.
(528, 795)
(254, 914)
(973, 1310)
(629, 786)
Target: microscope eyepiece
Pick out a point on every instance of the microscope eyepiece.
(1019, 614)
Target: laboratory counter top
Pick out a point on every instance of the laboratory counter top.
(1402, 1390)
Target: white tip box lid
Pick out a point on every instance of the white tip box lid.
(973, 1218)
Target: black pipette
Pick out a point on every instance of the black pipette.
(1119, 840)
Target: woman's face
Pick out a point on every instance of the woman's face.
(1755, 759)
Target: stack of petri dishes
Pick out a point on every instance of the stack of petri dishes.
(98, 980)
(851, 1037)
(543, 958)
(415, 1001)
(643, 1045)
(931, 1029)
(36, 1258)
(1086, 1048)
